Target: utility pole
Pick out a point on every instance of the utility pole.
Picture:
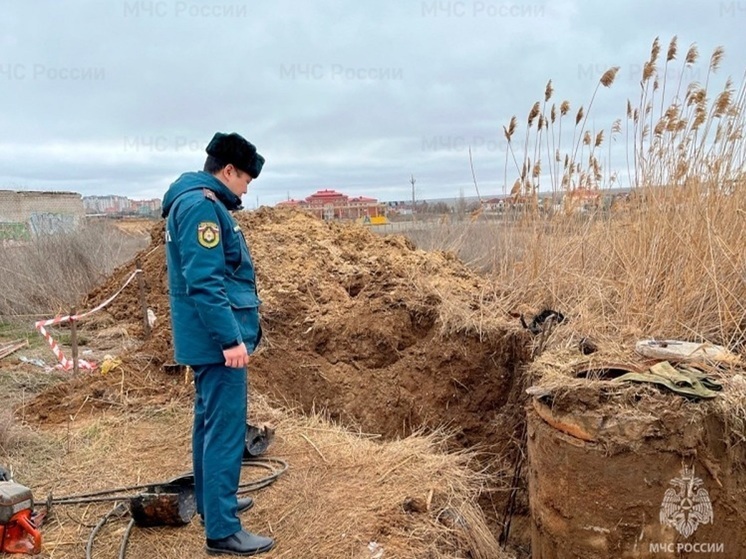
(412, 181)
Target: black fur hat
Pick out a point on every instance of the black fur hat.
(256, 166)
(236, 150)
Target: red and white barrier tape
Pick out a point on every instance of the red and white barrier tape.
(64, 363)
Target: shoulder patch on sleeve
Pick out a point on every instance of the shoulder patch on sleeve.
(208, 234)
(209, 194)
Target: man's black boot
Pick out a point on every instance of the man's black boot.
(244, 503)
(240, 543)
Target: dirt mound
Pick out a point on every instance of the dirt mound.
(385, 337)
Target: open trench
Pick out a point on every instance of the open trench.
(393, 373)
(556, 492)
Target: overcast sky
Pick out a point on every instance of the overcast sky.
(120, 97)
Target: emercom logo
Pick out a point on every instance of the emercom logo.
(687, 504)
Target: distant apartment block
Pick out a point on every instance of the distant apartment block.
(113, 205)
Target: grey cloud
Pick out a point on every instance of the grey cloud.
(121, 97)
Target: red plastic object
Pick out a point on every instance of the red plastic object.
(19, 530)
(20, 535)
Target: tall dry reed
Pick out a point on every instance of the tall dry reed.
(669, 261)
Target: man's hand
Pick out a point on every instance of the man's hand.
(236, 356)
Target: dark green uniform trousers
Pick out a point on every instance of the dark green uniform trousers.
(218, 442)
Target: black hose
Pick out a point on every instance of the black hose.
(85, 500)
(126, 539)
(266, 463)
(118, 509)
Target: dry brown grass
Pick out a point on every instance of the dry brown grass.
(51, 273)
(7, 431)
(668, 262)
(671, 268)
(342, 491)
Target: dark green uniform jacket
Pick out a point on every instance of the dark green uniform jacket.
(212, 287)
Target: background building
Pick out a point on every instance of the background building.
(330, 204)
(113, 205)
(25, 214)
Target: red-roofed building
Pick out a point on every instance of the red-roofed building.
(330, 204)
(325, 197)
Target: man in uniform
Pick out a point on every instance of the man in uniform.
(215, 321)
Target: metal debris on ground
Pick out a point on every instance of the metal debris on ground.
(542, 320)
(258, 440)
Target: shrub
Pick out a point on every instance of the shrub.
(51, 273)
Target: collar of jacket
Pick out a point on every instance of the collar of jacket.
(229, 200)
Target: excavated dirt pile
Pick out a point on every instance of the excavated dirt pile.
(385, 337)
(378, 335)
